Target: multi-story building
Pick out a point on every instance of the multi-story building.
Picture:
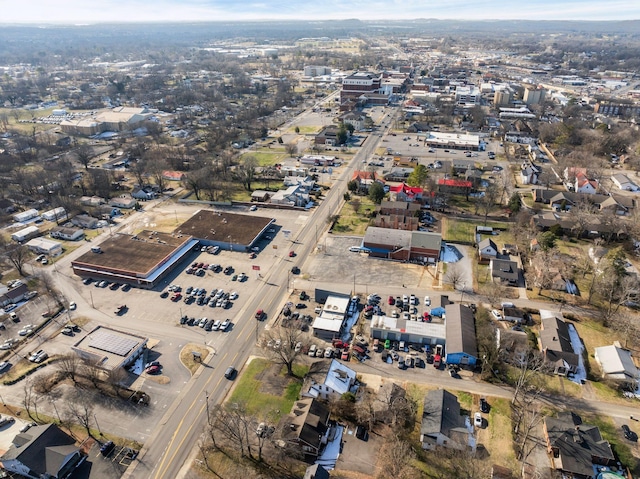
(360, 83)
(533, 95)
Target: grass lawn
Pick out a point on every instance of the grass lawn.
(497, 436)
(248, 389)
(353, 223)
(266, 157)
(305, 130)
(464, 230)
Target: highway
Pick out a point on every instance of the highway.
(172, 441)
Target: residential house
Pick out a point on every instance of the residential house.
(399, 174)
(617, 364)
(144, 194)
(442, 425)
(418, 127)
(170, 175)
(13, 293)
(328, 379)
(404, 192)
(260, 196)
(454, 186)
(25, 234)
(575, 449)
(462, 347)
(45, 246)
(529, 174)
(66, 233)
(513, 346)
(487, 249)
(295, 195)
(555, 344)
(461, 166)
(123, 201)
(366, 178)
(623, 182)
(42, 452)
(307, 426)
(92, 201)
(85, 221)
(504, 271)
(585, 185)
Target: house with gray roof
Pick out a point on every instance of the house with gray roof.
(487, 249)
(327, 379)
(462, 347)
(575, 449)
(443, 425)
(42, 451)
(504, 271)
(555, 343)
(307, 426)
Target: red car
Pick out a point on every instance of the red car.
(153, 370)
(292, 254)
(345, 355)
(259, 314)
(176, 297)
(391, 300)
(253, 256)
(426, 317)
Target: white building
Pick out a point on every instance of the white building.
(25, 233)
(45, 246)
(617, 363)
(25, 215)
(623, 182)
(332, 317)
(328, 378)
(55, 214)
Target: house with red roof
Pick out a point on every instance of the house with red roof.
(366, 178)
(455, 186)
(404, 192)
(585, 185)
(170, 175)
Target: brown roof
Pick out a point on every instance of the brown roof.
(137, 255)
(224, 227)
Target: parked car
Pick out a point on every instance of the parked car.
(152, 370)
(362, 433)
(38, 356)
(427, 301)
(312, 350)
(484, 406)
(107, 448)
(496, 314)
(477, 420)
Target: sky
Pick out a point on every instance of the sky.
(109, 11)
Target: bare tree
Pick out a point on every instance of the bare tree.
(291, 148)
(17, 254)
(396, 456)
(69, 365)
(246, 171)
(285, 354)
(455, 276)
(79, 407)
(84, 153)
(233, 423)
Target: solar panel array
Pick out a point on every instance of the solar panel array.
(112, 343)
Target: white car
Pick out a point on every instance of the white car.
(477, 419)
(496, 314)
(298, 347)
(233, 295)
(72, 306)
(427, 301)
(413, 299)
(405, 298)
(253, 208)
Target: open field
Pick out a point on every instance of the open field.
(352, 223)
(258, 376)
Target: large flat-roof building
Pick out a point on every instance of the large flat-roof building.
(228, 230)
(403, 245)
(398, 329)
(140, 260)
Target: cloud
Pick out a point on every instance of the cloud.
(75, 11)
